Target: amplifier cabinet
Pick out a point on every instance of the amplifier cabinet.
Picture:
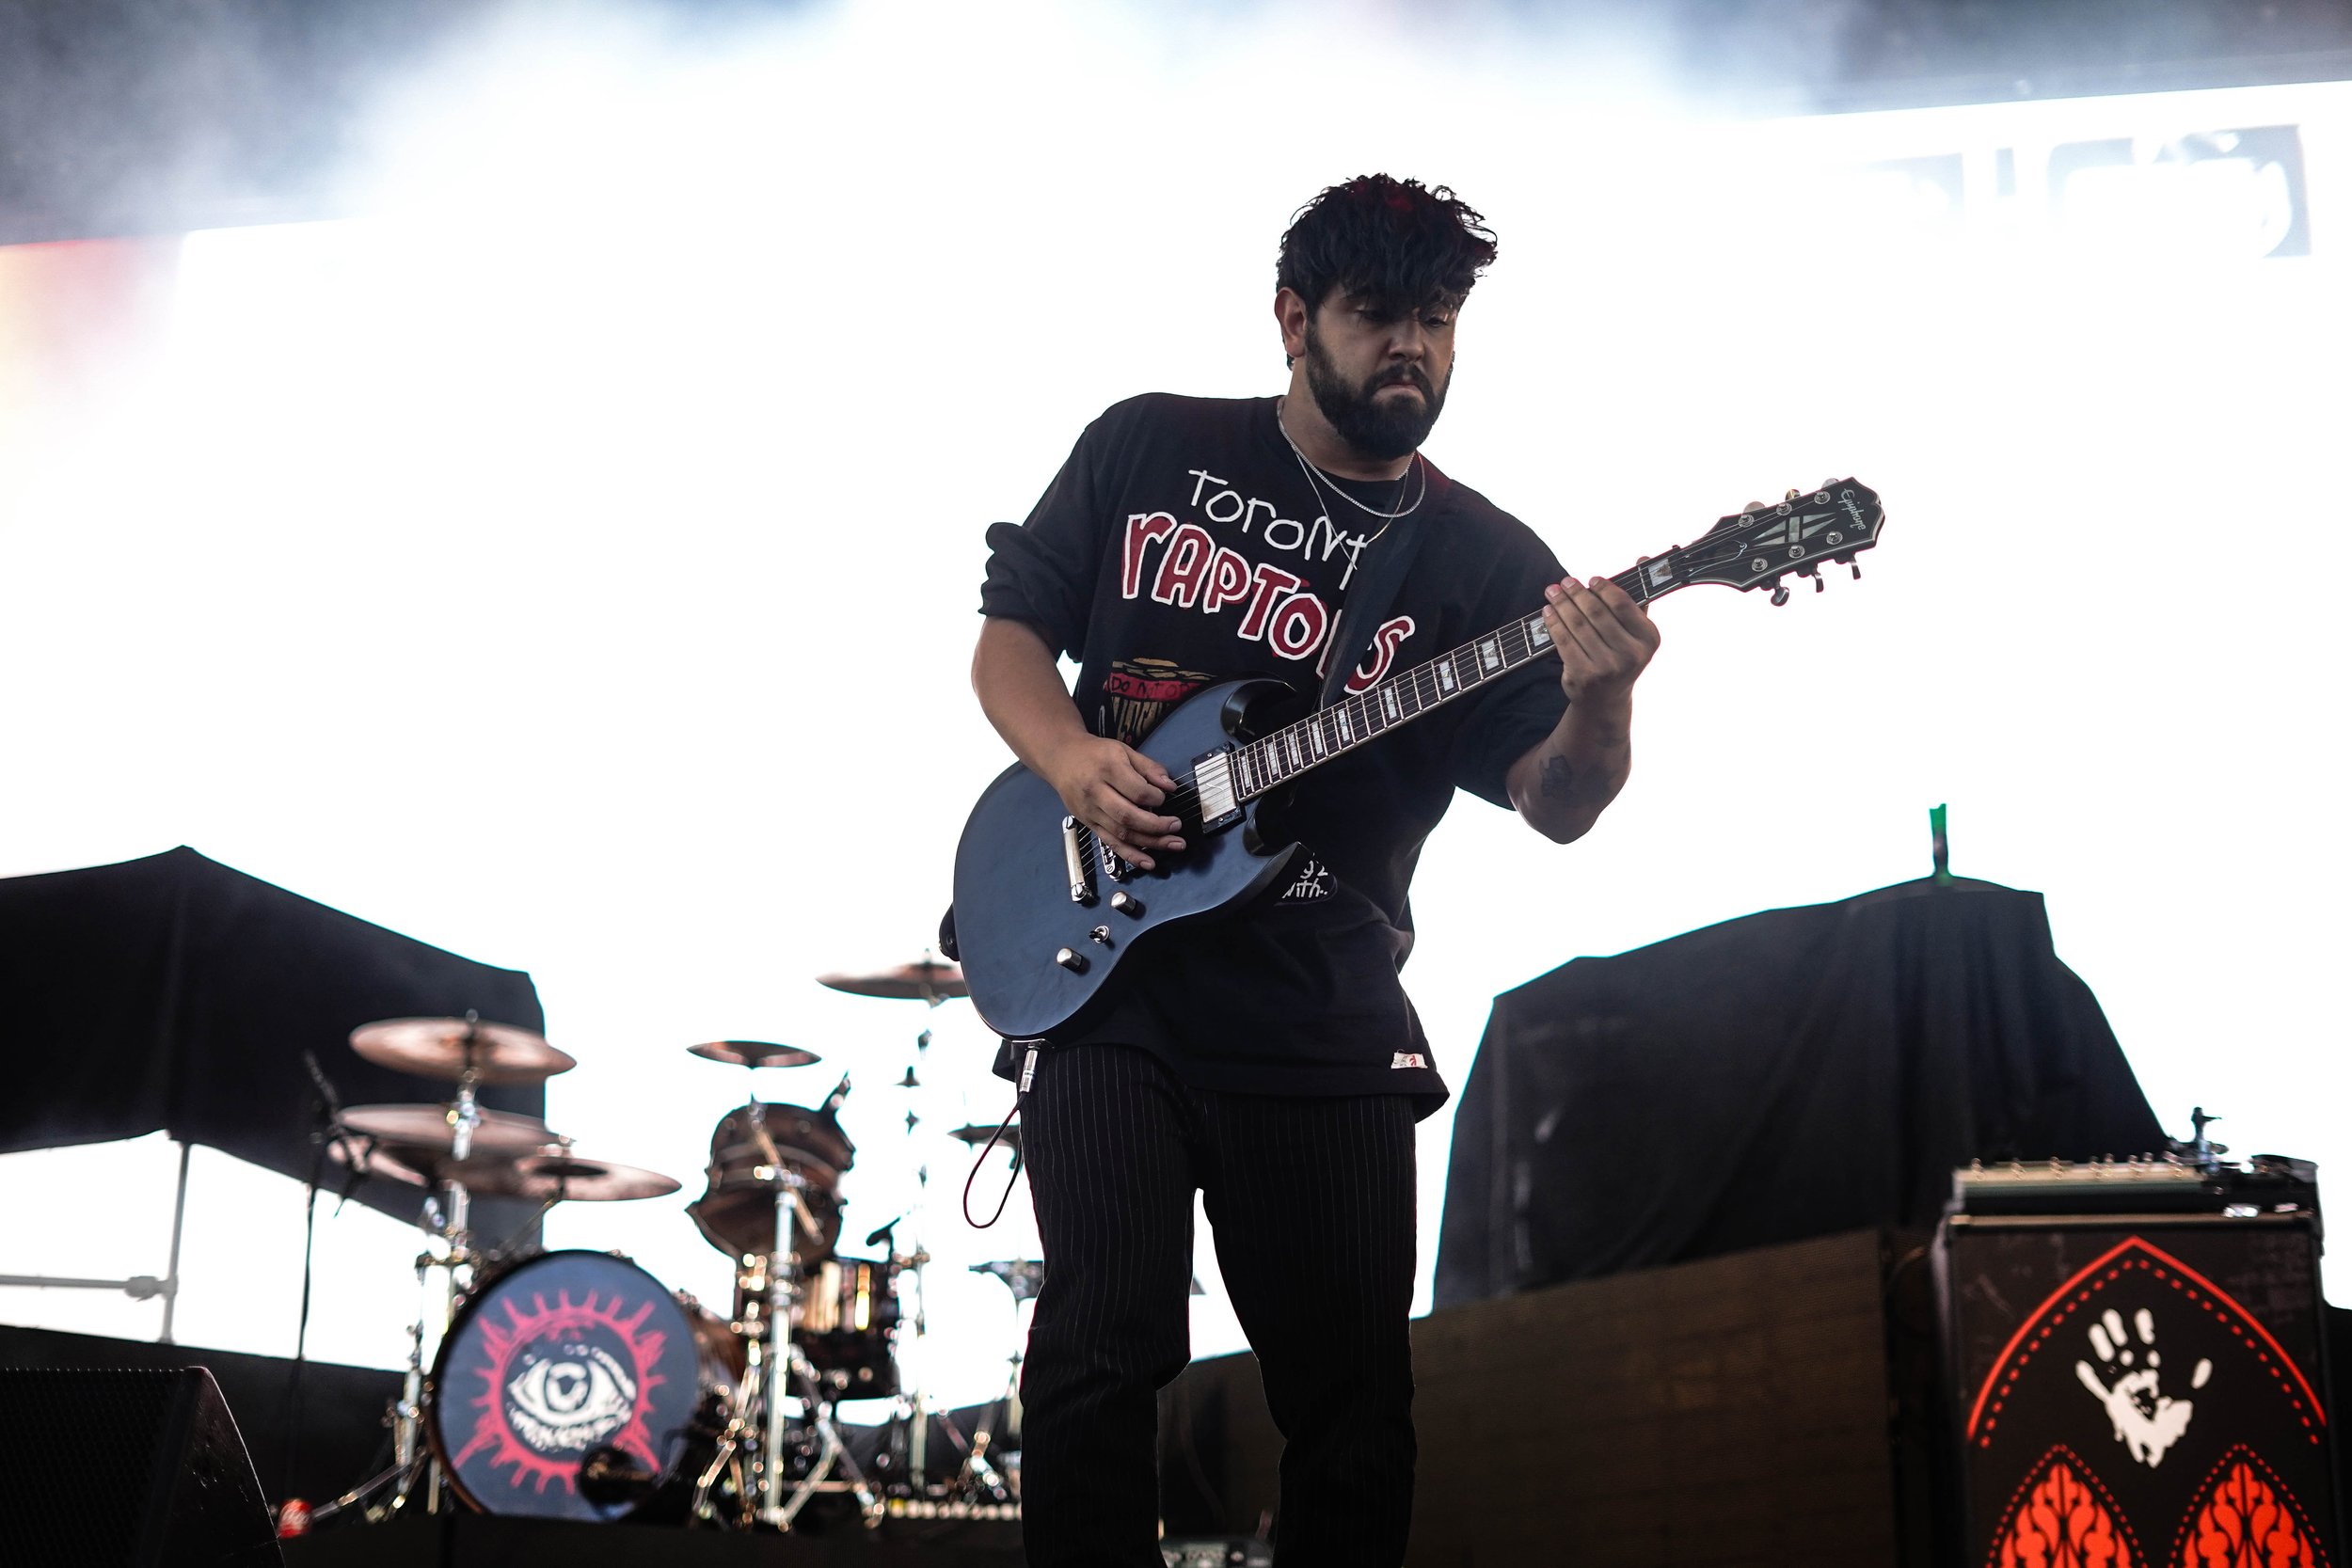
(2129, 1390)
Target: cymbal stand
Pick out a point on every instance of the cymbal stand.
(447, 1217)
(911, 1410)
(979, 1480)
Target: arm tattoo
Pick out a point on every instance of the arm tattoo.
(1559, 779)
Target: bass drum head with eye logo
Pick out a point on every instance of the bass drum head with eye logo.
(565, 1357)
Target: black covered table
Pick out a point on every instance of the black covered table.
(1785, 1075)
(174, 994)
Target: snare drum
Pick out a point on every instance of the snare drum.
(573, 1361)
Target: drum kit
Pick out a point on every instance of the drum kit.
(573, 1384)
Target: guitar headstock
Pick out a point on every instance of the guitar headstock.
(1755, 549)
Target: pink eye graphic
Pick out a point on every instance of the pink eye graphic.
(573, 1395)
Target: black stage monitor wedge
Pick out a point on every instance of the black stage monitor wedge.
(126, 1468)
(2136, 1360)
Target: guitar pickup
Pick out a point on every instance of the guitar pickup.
(1075, 859)
(1213, 786)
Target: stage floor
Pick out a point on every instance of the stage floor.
(468, 1540)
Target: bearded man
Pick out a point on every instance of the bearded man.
(1271, 1061)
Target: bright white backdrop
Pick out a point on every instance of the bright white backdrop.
(569, 559)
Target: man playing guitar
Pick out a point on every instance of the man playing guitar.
(1271, 1060)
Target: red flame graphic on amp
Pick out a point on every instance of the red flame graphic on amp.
(573, 1342)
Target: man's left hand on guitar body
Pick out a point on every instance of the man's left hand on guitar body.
(1605, 640)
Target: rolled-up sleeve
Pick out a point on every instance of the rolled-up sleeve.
(1043, 570)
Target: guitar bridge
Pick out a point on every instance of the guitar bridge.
(1213, 786)
(1075, 861)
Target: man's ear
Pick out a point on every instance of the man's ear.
(1290, 314)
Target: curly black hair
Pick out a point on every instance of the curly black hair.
(1396, 244)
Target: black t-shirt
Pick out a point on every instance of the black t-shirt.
(1181, 544)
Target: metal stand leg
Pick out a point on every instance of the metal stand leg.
(179, 1225)
(820, 1411)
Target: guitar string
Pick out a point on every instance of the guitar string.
(1361, 706)
(1426, 684)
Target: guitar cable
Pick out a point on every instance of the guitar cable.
(1020, 1093)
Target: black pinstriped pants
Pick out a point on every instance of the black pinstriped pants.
(1311, 1201)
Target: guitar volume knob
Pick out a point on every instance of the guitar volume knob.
(1072, 961)
(1127, 903)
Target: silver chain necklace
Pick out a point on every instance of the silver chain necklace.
(1416, 465)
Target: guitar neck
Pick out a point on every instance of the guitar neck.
(1275, 759)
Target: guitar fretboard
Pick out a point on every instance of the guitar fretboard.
(1275, 759)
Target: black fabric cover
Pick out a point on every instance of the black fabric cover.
(1783, 1075)
(175, 994)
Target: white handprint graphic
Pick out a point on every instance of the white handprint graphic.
(2147, 1421)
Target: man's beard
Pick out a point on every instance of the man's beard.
(1382, 430)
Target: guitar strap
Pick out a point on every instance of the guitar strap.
(1380, 570)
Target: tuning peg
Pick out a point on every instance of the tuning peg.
(1848, 561)
(1792, 495)
(1818, 586)
(1780, 594)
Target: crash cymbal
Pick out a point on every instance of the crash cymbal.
(411, 1133)
(980, 1132)
(445, 1047)
(754, 1053)
(927, 979)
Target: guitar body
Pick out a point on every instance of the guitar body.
(1013, 912)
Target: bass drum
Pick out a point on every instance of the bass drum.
(573, 1386)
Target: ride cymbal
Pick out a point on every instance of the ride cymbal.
(754, 1053)
(447, 1047)
(927, 979)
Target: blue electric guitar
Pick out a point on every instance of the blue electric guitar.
(1045, 917)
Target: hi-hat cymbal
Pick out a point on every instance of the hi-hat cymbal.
(754, 1053)
(927, 979)
(424, 1130)
(980, 1132)
(446, 1046)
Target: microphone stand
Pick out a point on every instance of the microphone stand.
(326, 1130)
